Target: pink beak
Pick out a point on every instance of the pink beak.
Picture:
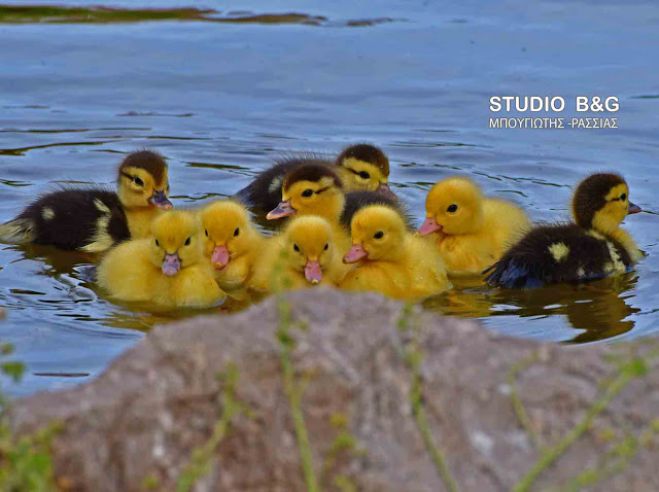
(171, 265)
(284, 209)
(312, 272)
(220, 257)
(429, 226)
(160, 200)
(633, 208)
(356, 253)
(383, 189)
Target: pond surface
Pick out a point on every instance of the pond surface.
(221, 94)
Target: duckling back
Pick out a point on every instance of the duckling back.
(90, 220)
(554, 254)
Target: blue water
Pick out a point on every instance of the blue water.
(222, 100)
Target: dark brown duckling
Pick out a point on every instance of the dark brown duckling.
(361, 167)
(93, 220)
(593, 247)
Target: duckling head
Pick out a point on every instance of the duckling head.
(364, 167)
(228, 231)
(601, 202)
(312, 189)
(453, 206)
(143, 181)
(176, 242)
(308, 246)
(377, 233)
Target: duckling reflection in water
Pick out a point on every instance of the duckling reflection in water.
(168, 269)
(93, 220)
(593, 247)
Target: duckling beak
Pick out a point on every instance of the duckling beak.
(160, 200)
(284, 209)
(220, 257)
(312, 272)
(632, 208)
(429, 226)
(171, 264)
(356, 253)
(384, 189)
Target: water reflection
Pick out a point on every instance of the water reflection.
(599, 310)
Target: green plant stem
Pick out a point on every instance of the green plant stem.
(518, 405)
(549, 456)
(413, 359)
(294, 395)
(201, 457)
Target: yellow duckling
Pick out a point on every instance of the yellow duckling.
(304, 255)
(390, 259)
(593, 247)
(314, 190)
(232, 243)
(471, 231)
(167, 269)
(93, 220)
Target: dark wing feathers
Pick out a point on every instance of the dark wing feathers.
(68, 218)
(531, 262)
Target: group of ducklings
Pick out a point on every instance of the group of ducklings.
(344, 227)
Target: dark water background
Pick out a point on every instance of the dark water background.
(222, 94)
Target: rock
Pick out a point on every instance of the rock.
(142, 419)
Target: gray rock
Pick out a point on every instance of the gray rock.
(146, 414)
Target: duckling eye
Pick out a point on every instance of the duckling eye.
(623, 197)
(452, 208)
(307, 193)
(236, 232)
(157, 243)
(188, 241)
(206, 232)
(326, 246)
(364, 175)
(296, 248)
(138, 181)
(378, 235)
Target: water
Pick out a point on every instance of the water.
(222, 99)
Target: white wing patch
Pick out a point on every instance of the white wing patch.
(559, 251)
(275, 185)
(47, 213)
(102, 239)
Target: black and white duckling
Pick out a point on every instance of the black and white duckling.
(93, 220)
(361, 167)
(593, 247)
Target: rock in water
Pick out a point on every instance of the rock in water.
(141, 420)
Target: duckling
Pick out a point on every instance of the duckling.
(593, 247)
(362, 167)
(304, 255)
(471, 231)
(233, 244)
(93, 220)
(317, 190)
(390, 259)
(167, 270)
